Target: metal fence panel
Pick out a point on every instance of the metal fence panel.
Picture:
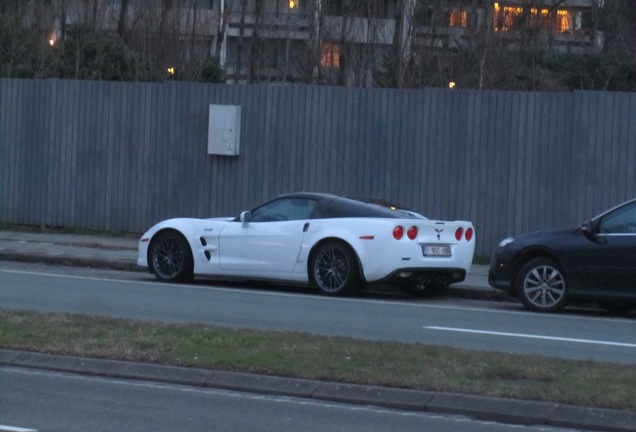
(121, 156)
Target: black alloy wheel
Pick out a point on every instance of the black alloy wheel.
(541, 285)
(334, 269)
(170, 257)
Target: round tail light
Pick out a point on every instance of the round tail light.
(469, 234)
(459, 233)
(412, 233)
(398, 232)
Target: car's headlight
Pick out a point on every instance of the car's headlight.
(506, 241)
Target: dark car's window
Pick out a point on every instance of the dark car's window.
(284, 209)
(620, 221)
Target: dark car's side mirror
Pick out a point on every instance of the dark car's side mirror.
(587, 228)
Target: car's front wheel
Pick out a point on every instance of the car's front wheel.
(541, 285)
(334, 269)
(170, 257)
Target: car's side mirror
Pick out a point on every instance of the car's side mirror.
(246, 216)
(587, 228)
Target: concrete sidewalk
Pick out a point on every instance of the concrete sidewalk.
(120, 253)
(110, 252)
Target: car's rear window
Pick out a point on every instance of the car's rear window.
(347, 207)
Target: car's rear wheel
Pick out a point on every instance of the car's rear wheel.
(541, 285)
(170, 257)
(334, 269)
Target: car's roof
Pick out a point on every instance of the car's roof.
(314, 195)
(335, 206)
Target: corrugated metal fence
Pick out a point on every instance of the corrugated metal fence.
(121, 156)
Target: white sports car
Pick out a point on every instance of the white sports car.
(334, 243)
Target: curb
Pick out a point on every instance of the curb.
(482, 408)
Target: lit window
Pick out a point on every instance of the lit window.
(330, 55)
(458, 18)
(540, 19)
(510, 18)
(507, 17)
(563, 21)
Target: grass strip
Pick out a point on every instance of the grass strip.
(299, 355)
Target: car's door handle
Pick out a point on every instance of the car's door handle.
(306, 227)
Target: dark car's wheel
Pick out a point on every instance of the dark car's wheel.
(333, 269)
(170, 257)
(541, 286)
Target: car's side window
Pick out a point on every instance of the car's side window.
(620, 221)
(284, 209)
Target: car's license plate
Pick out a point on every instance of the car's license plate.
(436, 250)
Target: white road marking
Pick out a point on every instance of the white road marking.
(4, 428)
(530, 336)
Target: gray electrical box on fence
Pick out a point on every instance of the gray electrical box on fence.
(224, 130)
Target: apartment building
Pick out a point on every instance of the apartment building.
(348, 40)
(332, 41)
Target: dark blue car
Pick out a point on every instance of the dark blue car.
(594, 262)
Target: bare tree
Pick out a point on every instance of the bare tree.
(349, 39)
(23, 35)
(121, 21)
(617, 31)
(398, 51)
(256, 54)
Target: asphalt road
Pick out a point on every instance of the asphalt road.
(480, 325)
(75, 403)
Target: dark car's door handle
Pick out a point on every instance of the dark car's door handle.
(306, 227)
